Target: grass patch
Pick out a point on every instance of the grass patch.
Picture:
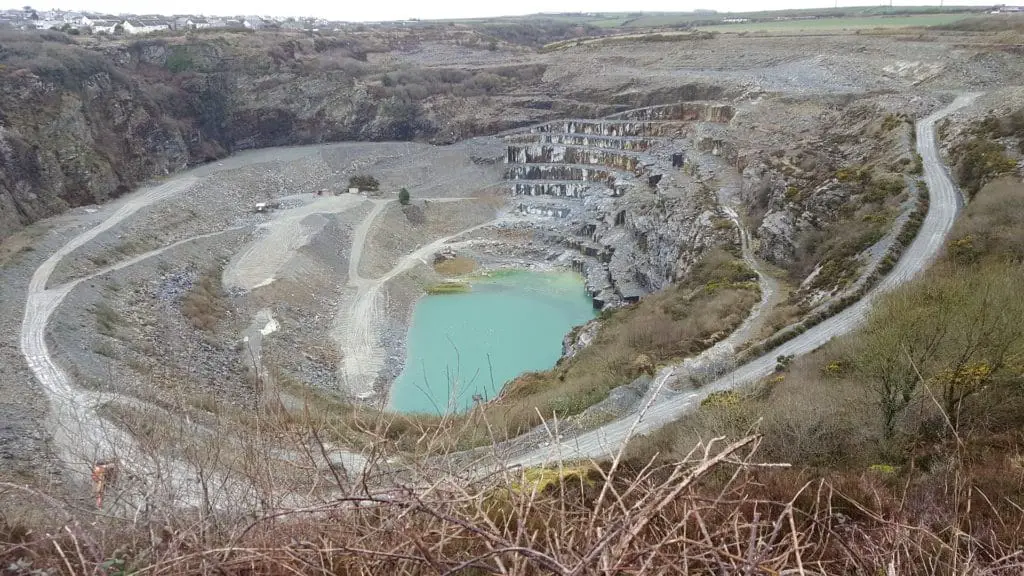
(107, 319)
(838, 24)
(442, 288)
(204, 305)
(979, 160)
(458, 266)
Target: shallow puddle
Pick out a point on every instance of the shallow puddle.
(461, 345)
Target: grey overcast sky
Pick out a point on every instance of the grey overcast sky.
(370, 10)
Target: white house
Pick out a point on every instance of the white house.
(191, 23)
(99, 26)
(253, 22)
(138, 26)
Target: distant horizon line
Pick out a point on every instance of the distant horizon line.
(940, 5)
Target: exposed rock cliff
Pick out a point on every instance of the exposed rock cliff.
(825, 190)
(84, 120)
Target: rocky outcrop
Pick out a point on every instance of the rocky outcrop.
(661, 242)
(579, 338)
(614, 128)
(81, 126)
(575, 189)
(777, 233)
(625, 143)
(683, 111)
(547, 211)
(560, 172)
(74, 141)
(543, 153)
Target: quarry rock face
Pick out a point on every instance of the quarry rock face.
(83, 142)
(115, 114)
(633, 231)
(577, 340)
(777, 233)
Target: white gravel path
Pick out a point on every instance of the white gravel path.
(259, 263)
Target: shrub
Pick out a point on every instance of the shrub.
(979, 161)
(723, 398)
(403, 197)
(107, 319)
(891, 122)
(179, 60)
(364, 182)
(918, 166)
(203, 305)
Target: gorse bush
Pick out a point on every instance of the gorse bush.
(179, 60)
(979, 161)
(364, 182)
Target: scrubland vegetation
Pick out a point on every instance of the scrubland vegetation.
(694, 516)
(917, 416)
(364, 182)
(984, 155)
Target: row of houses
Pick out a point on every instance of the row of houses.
(28, 19)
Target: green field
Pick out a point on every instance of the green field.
(827, 19)
(608, 22)
(663, 20)
(855, 23)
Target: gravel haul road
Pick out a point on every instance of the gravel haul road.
(945, 202)
(81, 435)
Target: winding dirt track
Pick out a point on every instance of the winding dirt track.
(81, 435)
(945, 202)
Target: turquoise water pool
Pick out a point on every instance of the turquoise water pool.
(460, 345)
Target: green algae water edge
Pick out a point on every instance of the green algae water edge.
(461, 345)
